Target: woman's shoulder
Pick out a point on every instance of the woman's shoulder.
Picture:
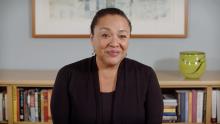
(133, 64)
(77, 66)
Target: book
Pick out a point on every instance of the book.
(36, 104)
(190, 107)
(49, 99)
(1, 106)
(170, 117)
(15, 103)
(194, 106)
(218, 105)
(42, 105)
(26, 108)
(31, 104)
(186, 106)
(18, 103)
(200, 96)
(6, 105)
(21, 104)
(45, 105)
(183, 99)
(169, 110)
(39, 106)
(214, 106)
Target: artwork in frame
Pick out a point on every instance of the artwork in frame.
(72, 18)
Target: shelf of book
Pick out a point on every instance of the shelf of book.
(183, 123)
(31, 103)
(208, 82)
(170, 82)
(32, 123)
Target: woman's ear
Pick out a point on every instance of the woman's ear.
(92, 43)
(91, 39)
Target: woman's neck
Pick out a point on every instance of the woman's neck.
(104, 67)
(107, 76)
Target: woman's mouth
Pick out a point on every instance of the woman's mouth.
(113, 53)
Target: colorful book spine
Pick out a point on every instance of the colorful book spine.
(21, 103)
(6, 106)
(32, 105)
(42, 106)
(1, 106)
(15, 104)
(190, 106)
(26, 108)
(49, 99)
(186, 106)
(45, 95)
(36, 104)
(39, 106)
(194, 106)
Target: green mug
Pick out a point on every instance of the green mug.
(192, 64)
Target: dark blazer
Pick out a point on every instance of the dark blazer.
(76, 94)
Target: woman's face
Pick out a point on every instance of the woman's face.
(110, 39)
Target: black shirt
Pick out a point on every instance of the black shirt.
(107, 100)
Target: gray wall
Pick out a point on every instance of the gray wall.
(18, 50)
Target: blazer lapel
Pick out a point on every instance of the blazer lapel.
(119, 94)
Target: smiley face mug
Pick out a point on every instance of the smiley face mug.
(192, 64)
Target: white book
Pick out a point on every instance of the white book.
(6, 106)
(1, 106)
(214, 104)
(218, 106)
(31, 102)
(200, 95)
(169, 117)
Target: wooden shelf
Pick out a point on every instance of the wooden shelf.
(174, 78)
(3, 122)
(33, 123)
(167, 79)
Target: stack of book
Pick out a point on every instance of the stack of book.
(169, 112)
(32, 104)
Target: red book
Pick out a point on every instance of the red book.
(45, 96)
(194, 106)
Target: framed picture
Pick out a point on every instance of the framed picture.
(72, 18)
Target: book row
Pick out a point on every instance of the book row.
(186, 106)
(32, 104)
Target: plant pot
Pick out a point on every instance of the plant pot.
(192, 64)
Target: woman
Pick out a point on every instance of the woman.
(107, 88)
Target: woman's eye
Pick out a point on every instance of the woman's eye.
(105, 35)
(123, 36)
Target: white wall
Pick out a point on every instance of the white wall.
(18, 50)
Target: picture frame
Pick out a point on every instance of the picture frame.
(72, 18)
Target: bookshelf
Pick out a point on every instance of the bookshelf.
(169, 80)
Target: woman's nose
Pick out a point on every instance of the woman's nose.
(114, 42)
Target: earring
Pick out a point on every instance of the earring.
(93, 52)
